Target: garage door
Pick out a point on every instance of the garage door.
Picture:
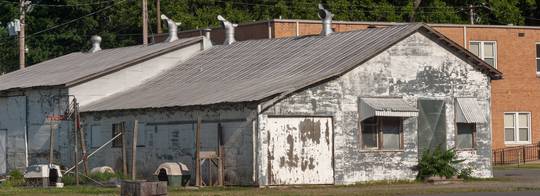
(300, 150)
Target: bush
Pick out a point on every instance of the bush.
(16, 178)
(437, 163)
(465, 173)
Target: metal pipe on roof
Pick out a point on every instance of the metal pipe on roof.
(96, 43)
(326, 17)
(172, 27)
(229, 30)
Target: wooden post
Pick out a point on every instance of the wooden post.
(22, 36)
(134, 151)
(220, 155)
(145, 21)
(81, 137)
(158, 15)
(84, 152)
(76, 149)
(197, 153)
(124, 145)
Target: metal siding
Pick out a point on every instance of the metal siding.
(300, 150)
(13, 120)
(74, 66)
(469, 111)
(3, 151)
(392, 107)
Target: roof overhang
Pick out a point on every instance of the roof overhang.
(387, 107)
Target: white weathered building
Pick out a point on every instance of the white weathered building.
(338, 108)
(33, 100)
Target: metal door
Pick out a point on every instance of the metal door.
(300, 150)
(3, 151)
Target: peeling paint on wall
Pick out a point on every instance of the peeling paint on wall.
(415, 68)
(297, 153)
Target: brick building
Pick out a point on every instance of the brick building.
(514, 50)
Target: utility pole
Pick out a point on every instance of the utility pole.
(145, 21)
(22, 48)
(471, 14)
(158, 17)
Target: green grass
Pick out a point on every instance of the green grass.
(69, 190)
(377, 188)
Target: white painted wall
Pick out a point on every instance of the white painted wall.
(132, 76)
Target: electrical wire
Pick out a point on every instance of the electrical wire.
(59, 5)
(2, 42)
(76, 19)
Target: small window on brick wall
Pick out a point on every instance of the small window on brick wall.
(383, 133)
(116, 129)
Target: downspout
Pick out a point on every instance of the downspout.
(465, 37)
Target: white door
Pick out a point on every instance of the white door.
(300, 150)
(3, 151)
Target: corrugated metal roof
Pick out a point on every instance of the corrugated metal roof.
(389, 104)
(468, 111)
(81, 65)
(256, 69)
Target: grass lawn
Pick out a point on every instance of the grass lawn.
(377, 189)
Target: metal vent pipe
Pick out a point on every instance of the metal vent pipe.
(96, 43)
(229, 30)
(172, 27)
(326, 17)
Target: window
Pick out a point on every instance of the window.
(116, 129)
(384, 133)
(486, 50)
(517, 128)
(538, 59)
(96, 139)
(466, 133)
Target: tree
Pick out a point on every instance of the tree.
(120, 25)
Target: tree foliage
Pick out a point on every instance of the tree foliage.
(120, 25)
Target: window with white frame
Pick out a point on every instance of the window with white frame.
(517, 127)
(486, 50)
(538, 59)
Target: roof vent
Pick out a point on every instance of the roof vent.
(207, 32)
(173, 28)
(326, 17)
(96, 43)
(229, 30)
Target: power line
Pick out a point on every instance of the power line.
(76, 19)
(59, 5)
(69, 22)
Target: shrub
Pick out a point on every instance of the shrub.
(438, 162)
(16, 178)
(465, 173)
